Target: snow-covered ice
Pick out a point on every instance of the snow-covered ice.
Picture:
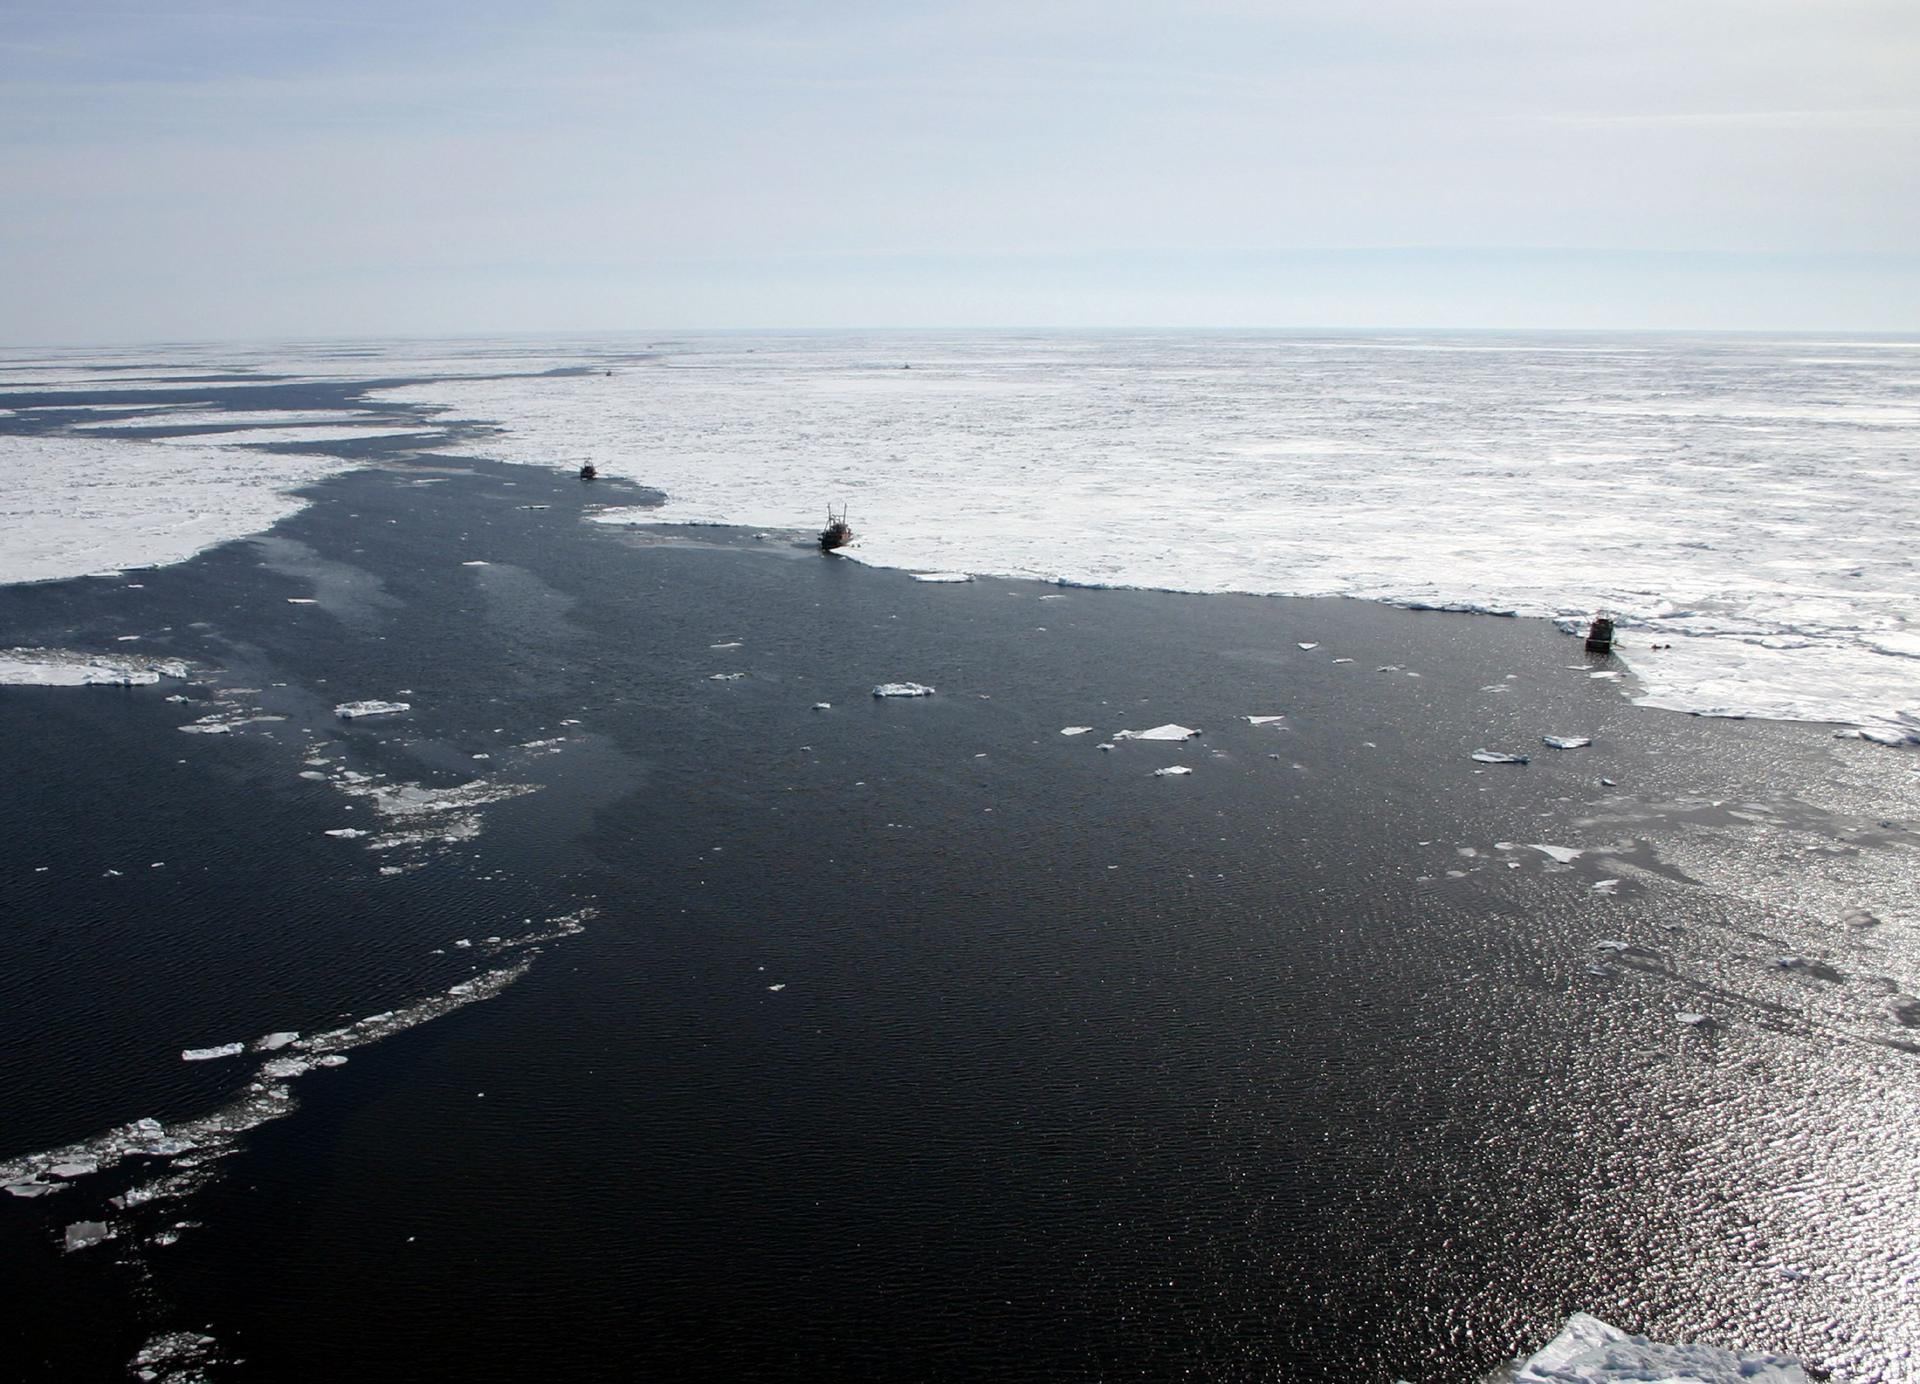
(943, 578)
(902, 689)
(1170, 731)
(1589, 1351)
(1566, 855)
(1075, 730)
(1755, 496)
(71, 668)
(1172, 771)
(351, 710)
(213, 1053)
(78, 506)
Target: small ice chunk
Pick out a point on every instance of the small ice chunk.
(1605, 886)
(332, 1059)
(823, 706)
(476, 562)
(301, 600)
(349, 710)
(1075, 730)
(79, 1167)
(1606, 676)
(210, 1054)
(1262, 720)
(348, 833)
(1565, 742)
(1612, 944)
(1692, 1020)
(273, 1042)
(31, 1189)
(943, 577)
(1305, 644)
(902, 689)
(1170, 731)
(1343, 660)
(85, 1234)
(1105, 745)
(725, 677)
(729, 644)
(1498, 757)
(1566, 855)
(1172, 771)
(778, 988)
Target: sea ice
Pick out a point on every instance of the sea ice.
(1262, 720)
(209, 1054)
(902, 689)
(943, 577)
(1172, 771)
(69, 668)
(1170, 731)
(1589, 1351)
(350, 710)
(1498, 757)
(1306, 645)
(725, 677)
(1565, 742)
(273, 1042)
(85, 1234)
(1075, 730)
(1566, 855)
(823, 706)
(1692, 1020)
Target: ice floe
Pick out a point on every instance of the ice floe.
(902, 689)
(1589, 1351)
(1565, 742)
(942, 577)
(725, 677)
(1075, 730)
(1172, 771)
(1170, 731)
(213, 1053)
(1262, 720)
(352, 710)
(1566, 855)
(1499, 757)
(87, 506)
(69, 668)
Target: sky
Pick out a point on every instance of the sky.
(187, 171)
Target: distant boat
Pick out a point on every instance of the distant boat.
(838, 533)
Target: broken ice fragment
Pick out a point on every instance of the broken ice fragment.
(84, 1234)
(1172, 771)
(1307, 645)
(1566, 855)
(1262, 720)
(823, 706)
(1498, 757)
(942, 576)
(1692, 1020)
(209, 1054)
(1170, 731)
(349, 710)
(725, 677)
(1075, 730)
(273, 1042)
(1565, 742)
(902, 689)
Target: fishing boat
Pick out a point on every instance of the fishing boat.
(838, 533)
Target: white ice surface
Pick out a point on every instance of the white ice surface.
(942, 577)
(252, 437)
(1588, 1351)
(1170, 731)
(1172, 771)
(902, 689)
(1714, 493)
(1565, 742)
(353, 710)
(212, 1054)
(86, 506)
(70, 668)
(194, 418)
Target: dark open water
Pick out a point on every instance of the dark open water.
(1077, 1072)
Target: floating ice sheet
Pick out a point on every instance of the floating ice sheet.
(1565, 742)
(902, 689)
(1170, 731)
(1589, 1351)
(944, 578)
(1498, 757)
(69, 668)
(1172, 771)
(351, 710)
